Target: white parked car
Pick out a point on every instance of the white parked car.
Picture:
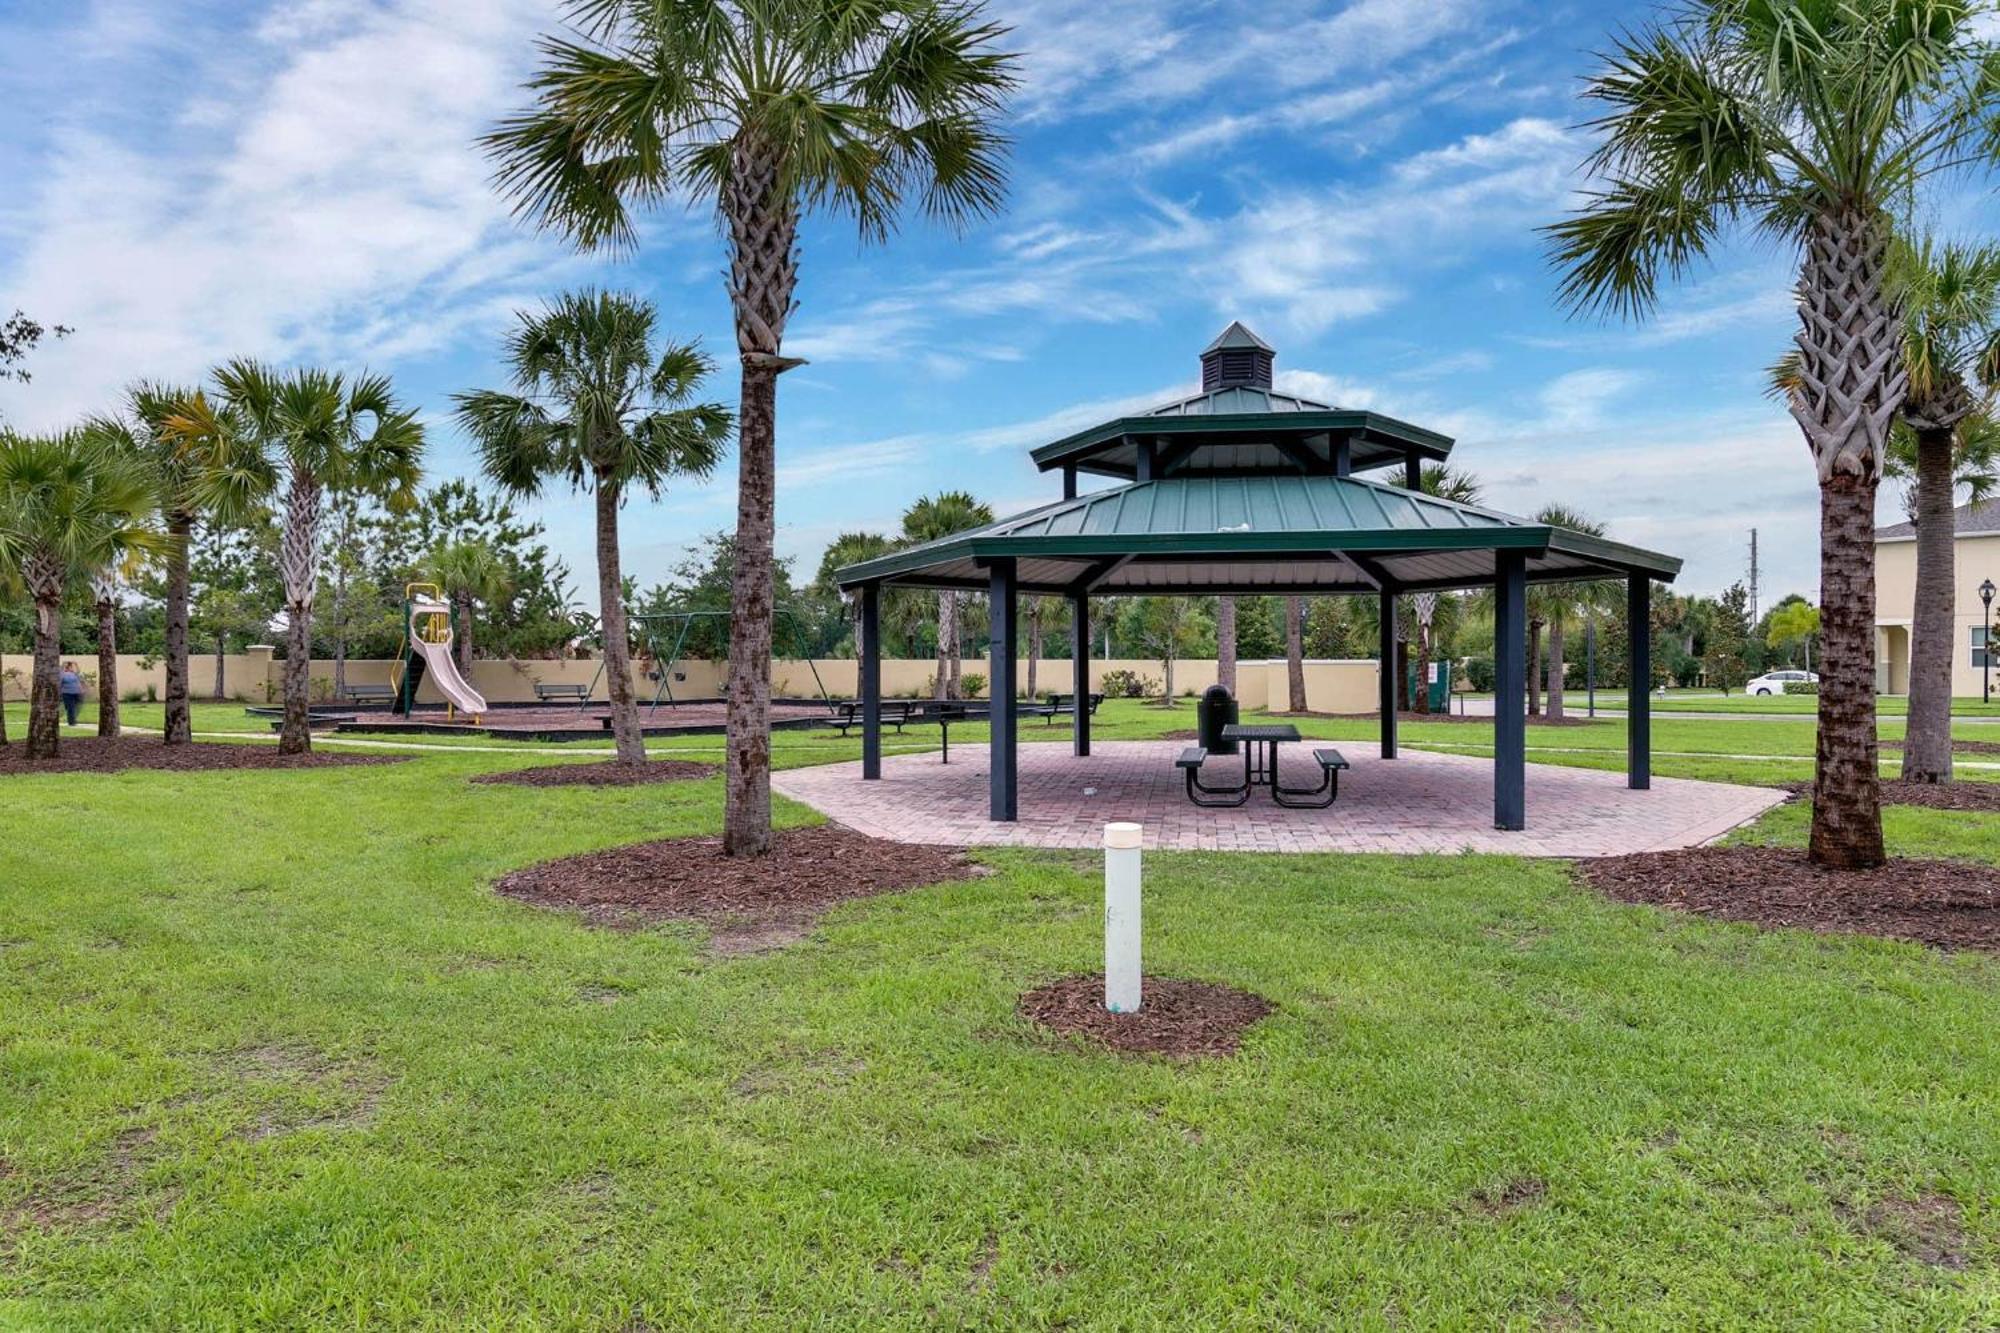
(1774, 682)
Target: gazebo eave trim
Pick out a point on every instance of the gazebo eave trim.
(1530, 538)
(1370, 426)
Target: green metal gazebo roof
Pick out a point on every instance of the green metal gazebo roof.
(1276, 533)
(1240, 424)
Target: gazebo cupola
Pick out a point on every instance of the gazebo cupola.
(1241, 424)
(1237, 356)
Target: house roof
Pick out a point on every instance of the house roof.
(1967, 520)
(1256, 534)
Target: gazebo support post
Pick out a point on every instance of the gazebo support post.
(1079, 685)
(1639, 695)
(1387, 620)
(1003, 778)
(871, 681)
(1510, 701)
(1413, 472)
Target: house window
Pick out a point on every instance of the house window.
(1979, 647)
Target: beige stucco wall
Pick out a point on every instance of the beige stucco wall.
(1977, 559)
(254, 677)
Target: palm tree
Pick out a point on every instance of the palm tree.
(1951, 338)
(469, 572)
(68, 507)
(1295, 654)
(319, 432)
(104, 601)
(1225, 644)
(1039, 615)
(202, 475)
(1561, 604)
(770, 109)
(1810, 122)
(929, 519)
(1458, 485)
(597, 403)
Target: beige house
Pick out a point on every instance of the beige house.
(1977, 560)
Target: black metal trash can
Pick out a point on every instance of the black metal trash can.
(1212, 712)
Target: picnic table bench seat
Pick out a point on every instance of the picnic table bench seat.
(1199, 792)
(369, 693)
(1330, 762)
(545, 691)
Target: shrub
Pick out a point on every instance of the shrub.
(1801, 687)
(973, 684)
(1123, 684)
(133, 697)
(1479, 674)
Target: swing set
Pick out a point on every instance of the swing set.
(656, 629)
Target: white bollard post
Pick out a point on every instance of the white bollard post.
(1121, 918)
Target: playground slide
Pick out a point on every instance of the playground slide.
(440, 668)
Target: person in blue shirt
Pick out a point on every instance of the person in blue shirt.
(71, 684)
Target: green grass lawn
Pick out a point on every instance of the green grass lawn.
(1710, 701)
(272, 1055)
(1752, 750)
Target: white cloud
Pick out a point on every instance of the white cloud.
(1577, 400)
(347, 215)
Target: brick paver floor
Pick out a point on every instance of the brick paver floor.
(1421, 802)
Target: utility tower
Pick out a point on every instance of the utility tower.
(1753, 576)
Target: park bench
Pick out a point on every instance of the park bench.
(546, 692)
(1318, 798)
(1218, 798)
(369, 694)
(1062, 705)
(847, 714)
(944, 712)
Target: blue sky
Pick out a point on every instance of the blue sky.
(1360, 182)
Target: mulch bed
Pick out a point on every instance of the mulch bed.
(1971, 797)
(753, 902)
(613, 774)
(1945, 904)
(92, 754)
(1183, 1020)
(1957, 746)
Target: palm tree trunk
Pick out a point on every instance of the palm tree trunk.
(1034, 641)
(1422, 703)
(763, 275)
(629, 741)
(1555, 711)
(462, 648)
(1534, 668)
(747, 783)
(44, 703)
(1225, 644)
(947, 643)
(221, 663)
(1847, 810)
(107, 667)
(299, 557)
(1852, 382)
(1927, 743)
(180, 718)
(1295, 653)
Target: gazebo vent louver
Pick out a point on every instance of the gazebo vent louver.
(1238, 357)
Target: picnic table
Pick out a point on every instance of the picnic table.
(1260, 742)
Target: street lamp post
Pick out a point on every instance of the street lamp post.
(1986, 591)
